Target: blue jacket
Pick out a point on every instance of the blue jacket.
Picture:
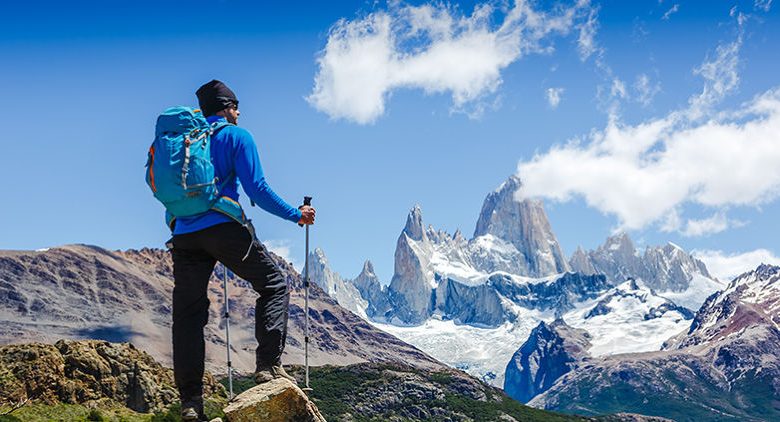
(235, 158)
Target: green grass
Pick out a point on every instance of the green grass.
(72, 413)
(107, 412)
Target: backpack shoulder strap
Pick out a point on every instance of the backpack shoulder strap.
(216, 126)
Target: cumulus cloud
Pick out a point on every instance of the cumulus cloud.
(554, 96)
(435, 48)
(670, 12)
(644, 173)
(727, 266)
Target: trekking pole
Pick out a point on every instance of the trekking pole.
(306, 203)
(227, 331)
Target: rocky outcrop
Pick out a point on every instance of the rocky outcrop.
(524, 225)
(727, 366)
(78, 372)
(278, 400)
(551, 351)
(662, 268)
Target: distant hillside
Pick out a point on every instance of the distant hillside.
(87, 292)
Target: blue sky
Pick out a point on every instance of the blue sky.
(436, 108)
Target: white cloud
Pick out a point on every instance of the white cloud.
(720, 75)
(670, 12)
(727, 266)
(586, 44)
(645, 89)
(645, 173)
(711, 225)
(618, 89)
(435, 48)
(554, 96)
(764, 5)
(282, 248)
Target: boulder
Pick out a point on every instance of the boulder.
(278, 400)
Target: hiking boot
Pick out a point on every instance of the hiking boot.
(192, 410)
(189, 414)
(270, 372)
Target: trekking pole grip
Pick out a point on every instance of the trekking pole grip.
(306, 203)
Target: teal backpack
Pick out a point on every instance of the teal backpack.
(179, 170)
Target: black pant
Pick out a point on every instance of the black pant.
(194, 257)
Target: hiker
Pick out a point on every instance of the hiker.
(228, 237)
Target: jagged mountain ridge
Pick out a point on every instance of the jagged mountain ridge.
(81, 291)
(725, 367)
(662, 268)
(480, 283)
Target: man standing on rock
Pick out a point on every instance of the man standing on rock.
(200, 241)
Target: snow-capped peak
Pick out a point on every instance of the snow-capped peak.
(619, 242)
(524, 225)
(629, 318)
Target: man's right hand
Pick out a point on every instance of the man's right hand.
(307, 215)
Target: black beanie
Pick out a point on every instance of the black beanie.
(215, 96)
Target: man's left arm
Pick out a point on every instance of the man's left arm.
(250, 173)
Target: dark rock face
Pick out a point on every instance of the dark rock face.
(727, 366)
(551, 351)
(559, 294)
(475, 305)
(78, 372)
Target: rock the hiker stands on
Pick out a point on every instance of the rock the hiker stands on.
(278, 400)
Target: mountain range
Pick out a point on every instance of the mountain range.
(472, 302)
(725, 366)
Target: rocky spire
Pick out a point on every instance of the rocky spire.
(371, 290)
(524, 224)
(580, 262)
(414, 226)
